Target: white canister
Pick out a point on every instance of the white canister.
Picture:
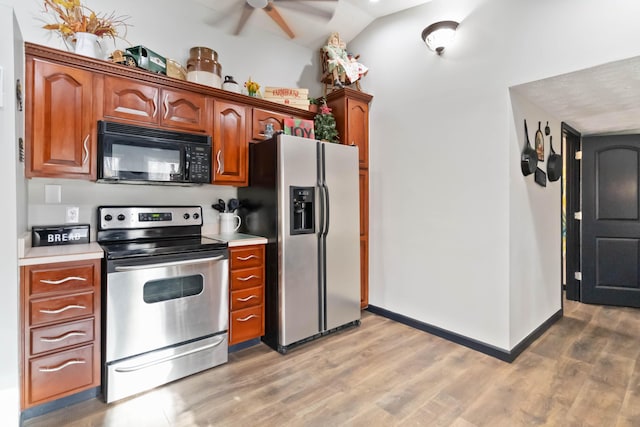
(230, 84)
(204, 78)
(229, 222)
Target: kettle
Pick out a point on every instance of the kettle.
(230, 84)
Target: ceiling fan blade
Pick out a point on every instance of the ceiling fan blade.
(277, 18)
(309, 9)
(244, 17)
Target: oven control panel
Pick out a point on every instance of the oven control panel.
(129, 217)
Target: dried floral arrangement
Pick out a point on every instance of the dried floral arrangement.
(72, 17)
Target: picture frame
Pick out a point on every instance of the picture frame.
(539, 145)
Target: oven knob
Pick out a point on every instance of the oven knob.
(196, 215)
(108, 217)
(121, 217)
(185, 216)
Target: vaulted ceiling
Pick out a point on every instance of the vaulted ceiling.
(348, 17)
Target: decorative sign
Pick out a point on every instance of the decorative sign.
(59, 235)
(299, 127)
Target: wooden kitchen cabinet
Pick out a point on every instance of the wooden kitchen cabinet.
(66, 94)
(260, 120)
(246, 293)
(351, 111)
(60, 121)
(60, 324)
(127, 100)
(231, 134)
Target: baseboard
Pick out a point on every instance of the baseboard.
(488, 349)
(45, 408)
(243, 345)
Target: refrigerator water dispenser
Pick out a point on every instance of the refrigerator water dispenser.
(301, 203)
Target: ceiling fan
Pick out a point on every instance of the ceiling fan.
(270, 9)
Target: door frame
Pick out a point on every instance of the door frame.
(572, 140)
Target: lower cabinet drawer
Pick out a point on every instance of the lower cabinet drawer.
(246, 324)
(60, 374)
(246, 278)
(50, 338)
(61, 308)
(246, 298)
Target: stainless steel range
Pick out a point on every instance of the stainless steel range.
(165, 297)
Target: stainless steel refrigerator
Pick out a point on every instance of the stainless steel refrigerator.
(303, 195)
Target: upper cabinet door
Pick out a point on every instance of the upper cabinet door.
(260, 120)
(184, 110)
(61, 126)
(358, 129)
(230, 143)
(129, 100)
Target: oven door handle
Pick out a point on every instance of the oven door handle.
(168, 358)
(167, 264)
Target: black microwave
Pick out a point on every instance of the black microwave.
(136, 154)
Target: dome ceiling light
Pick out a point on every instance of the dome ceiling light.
(439, 35)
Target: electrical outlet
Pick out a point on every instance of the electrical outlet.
(73, 213)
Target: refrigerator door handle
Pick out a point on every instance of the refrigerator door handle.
(322, 210)
(327, 221)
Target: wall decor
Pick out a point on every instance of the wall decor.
(299, 127)
(528, 159)
(554, 165)
(541, 177)
(540, 143)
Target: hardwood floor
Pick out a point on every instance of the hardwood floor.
(584, 371)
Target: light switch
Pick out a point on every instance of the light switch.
(52, 194)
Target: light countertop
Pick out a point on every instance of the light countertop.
(65, 253)
(238, 239)
(61, 253)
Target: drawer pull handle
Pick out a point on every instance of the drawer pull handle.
(63, 337)
(64, 365)
(249, 298)
(246, 258)
(244, 319)
(65, 308)
(61, 281)
(244, 279)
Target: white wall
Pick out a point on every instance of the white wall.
(9, 131)
(450, 215)
(89, 195)
(535, 248)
